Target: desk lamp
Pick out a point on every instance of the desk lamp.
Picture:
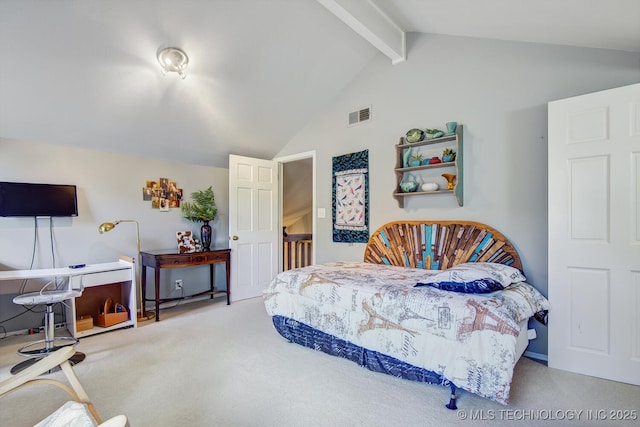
(108, 226)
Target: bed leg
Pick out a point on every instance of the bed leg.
(452, 401)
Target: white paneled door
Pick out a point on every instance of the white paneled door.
(253, 225)
(594, 234)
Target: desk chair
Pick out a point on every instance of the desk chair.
(77, 412)
(39, 349)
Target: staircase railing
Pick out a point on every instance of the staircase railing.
(296, 251)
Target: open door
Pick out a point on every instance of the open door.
(253, 225)
(594, 234)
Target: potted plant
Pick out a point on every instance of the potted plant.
(202, 209)
(416, 160)
(448, 155)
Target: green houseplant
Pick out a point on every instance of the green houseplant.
(448, 155)
(202, 209)
(416, 160)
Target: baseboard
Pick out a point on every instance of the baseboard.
(186, 300)
(539, 357)
(33, 331)
(19, 332)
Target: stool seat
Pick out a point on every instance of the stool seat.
(46, 297)
(39, 349)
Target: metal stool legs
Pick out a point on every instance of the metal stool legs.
(39, 349)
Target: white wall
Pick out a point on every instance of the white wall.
(303, 225)
(499, 91)
(109, 188)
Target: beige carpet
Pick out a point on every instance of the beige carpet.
(209, 364)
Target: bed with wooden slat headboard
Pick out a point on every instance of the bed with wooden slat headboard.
(386, 314)
(438, 245)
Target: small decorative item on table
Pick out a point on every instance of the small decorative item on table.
(205, 235)
(186, 242)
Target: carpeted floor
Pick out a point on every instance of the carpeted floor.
(209, 364)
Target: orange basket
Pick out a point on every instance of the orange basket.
(111, 314)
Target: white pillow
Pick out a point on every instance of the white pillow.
(475, 278)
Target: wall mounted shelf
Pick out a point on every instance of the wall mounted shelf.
(427, 172)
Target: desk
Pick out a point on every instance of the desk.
(97, 281)
(172, 258)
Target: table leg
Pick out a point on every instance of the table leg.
(157, 277)
(228, 264)
(211, 283)
(143, 287)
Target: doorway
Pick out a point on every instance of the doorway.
(256, 188)
(297, 217)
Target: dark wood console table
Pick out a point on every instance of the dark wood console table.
(172, 258)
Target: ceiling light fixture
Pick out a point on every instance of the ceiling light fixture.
(173, 59)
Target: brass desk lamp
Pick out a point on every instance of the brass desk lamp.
(108, 226)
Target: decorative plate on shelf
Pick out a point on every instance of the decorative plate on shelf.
(415, 135)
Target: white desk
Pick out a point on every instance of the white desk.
(112, 279)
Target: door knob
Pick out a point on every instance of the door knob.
(235, 237)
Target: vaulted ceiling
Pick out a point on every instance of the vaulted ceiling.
(84, 72)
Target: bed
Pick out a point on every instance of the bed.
(439, 302)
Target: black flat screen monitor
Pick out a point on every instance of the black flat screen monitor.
(24, 199)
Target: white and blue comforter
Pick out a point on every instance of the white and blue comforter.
(469, 339)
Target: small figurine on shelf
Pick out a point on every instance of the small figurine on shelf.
(451, 128)
(430, 186)
(434, 161)
(433, 133)
(408, 184)
(448, 155)
(406, 158)
(450, 178)
(416, 160)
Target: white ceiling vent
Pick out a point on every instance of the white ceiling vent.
(360, 116)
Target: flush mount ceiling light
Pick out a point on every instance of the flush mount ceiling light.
(173, 59)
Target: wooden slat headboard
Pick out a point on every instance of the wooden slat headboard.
(438, 245)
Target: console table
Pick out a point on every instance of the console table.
(172, 258)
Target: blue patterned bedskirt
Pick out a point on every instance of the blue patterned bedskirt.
(307, 336)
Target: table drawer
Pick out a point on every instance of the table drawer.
(167, 261)
(98, 279)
